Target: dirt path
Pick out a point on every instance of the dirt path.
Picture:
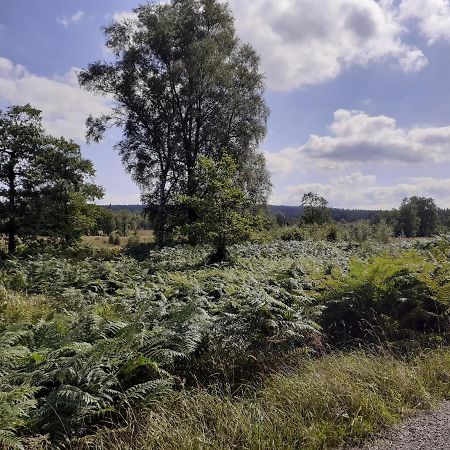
(426, 431)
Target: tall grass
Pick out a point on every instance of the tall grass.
(326, 403)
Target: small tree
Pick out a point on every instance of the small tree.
(417, 216)
(315, 209)
(222, 209)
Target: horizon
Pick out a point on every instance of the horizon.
(363, 119)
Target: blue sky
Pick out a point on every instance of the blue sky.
(358, 91)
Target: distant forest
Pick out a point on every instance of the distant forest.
(295, 212)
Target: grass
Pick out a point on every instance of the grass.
(102, 241)
(324, 403)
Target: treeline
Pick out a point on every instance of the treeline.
(122, 221)
(337, 214)
(416, 216)
(293, 212)
(188, 97)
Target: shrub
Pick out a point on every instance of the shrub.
(387, 299)
(292, 233)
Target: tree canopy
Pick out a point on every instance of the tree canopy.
(417, 216)
(44, 181)
(223, 209)
(184, 87)
(315, 209)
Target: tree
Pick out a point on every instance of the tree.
(315, 209)
(222, 208)
(184, 88)
(417, 216)
(43, 187)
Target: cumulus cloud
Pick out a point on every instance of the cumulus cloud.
(358, 138)
(361, 191)
(65, 106)
(306, 42)
(75, 18)
(124, 16)
(432, 17)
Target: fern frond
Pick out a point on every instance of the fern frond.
(151, 391)
(9, 441)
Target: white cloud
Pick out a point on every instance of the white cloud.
(306, 42)
(75, 18)
(361, 191)
(356, 179)
(64, 104)
(432, 16)
(358, 138)
(123, 16)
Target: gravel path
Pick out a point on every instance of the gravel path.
(426, 431)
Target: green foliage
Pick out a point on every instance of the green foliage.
(184, 87)
(418, 216)
(333, 402)
(222, 209)
(16, 398)
(92, 337)
(387, 299)
(80, 364)
(44, 181)
(315, 209)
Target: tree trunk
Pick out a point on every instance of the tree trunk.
(11, 236)
(221, 252)
(12, 225)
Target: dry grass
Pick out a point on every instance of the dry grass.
(102, 241)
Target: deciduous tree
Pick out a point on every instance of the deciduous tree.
(315, 209)
(184, 87)
(417, 216)
(44, 182)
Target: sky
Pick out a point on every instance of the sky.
(358, 91)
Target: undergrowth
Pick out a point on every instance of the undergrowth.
(86, 340)
(327, 403)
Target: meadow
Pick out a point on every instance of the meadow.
(311, 344)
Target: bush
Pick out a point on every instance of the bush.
(290, 234)
(114, 238)
(137, 249)
(387, 299)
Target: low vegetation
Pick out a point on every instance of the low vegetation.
(340, 399)
(86, 341)
(224, 327)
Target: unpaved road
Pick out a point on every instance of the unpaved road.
(426, 431)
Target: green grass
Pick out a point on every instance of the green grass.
(325, 403)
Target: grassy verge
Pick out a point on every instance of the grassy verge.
(326, 403)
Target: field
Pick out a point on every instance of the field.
(293, 343)
(103, 242)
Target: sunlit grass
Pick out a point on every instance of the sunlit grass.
(103, 242)
(326, 403)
